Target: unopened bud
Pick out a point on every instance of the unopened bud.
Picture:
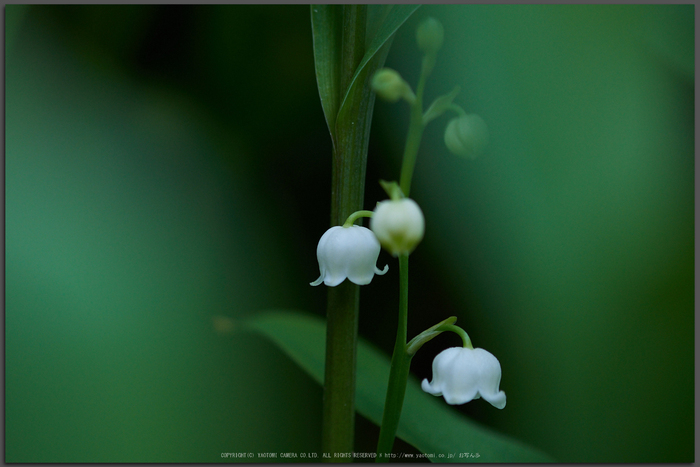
(430, 35)
(389, 85)
(399, 225)
(466, 136)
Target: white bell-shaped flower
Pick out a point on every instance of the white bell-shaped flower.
(348, 252)
(462, 374)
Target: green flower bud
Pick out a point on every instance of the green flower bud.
(430, 35)
(466, 136)
(398, 224)
(389, 85)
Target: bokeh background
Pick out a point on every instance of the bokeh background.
(168, 164)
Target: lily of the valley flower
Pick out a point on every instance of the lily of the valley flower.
(461, 374)
(348, 252)
(398, 224)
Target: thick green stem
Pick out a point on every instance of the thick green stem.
(398, 375)
(339, 387)
(347, 196)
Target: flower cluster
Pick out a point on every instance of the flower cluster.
(460, 374)
(351, 252)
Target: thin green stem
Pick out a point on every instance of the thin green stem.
(356, 215)
(398, 375)
(467, 343)
(415, 133)
(401, 359)
(415, 129)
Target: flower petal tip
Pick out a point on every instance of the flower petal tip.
(318, 281)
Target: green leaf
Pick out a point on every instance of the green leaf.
(326, 29)
(417, 342)
(376, 14)
(427, 422)
(439, 106)
(326, 26)
(378, 49)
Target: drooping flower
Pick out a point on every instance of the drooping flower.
(348, 252)
(461, 374)
(398, 224)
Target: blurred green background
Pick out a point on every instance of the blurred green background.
(165, 165)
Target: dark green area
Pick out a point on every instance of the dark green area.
(165, 165)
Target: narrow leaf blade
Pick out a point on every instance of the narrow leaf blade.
(439, 106)
(393, 20)
(426, 422)
(326, 28)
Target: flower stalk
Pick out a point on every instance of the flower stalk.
(429, 40)
(415, 134)
(398, 376)
(401, 359)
